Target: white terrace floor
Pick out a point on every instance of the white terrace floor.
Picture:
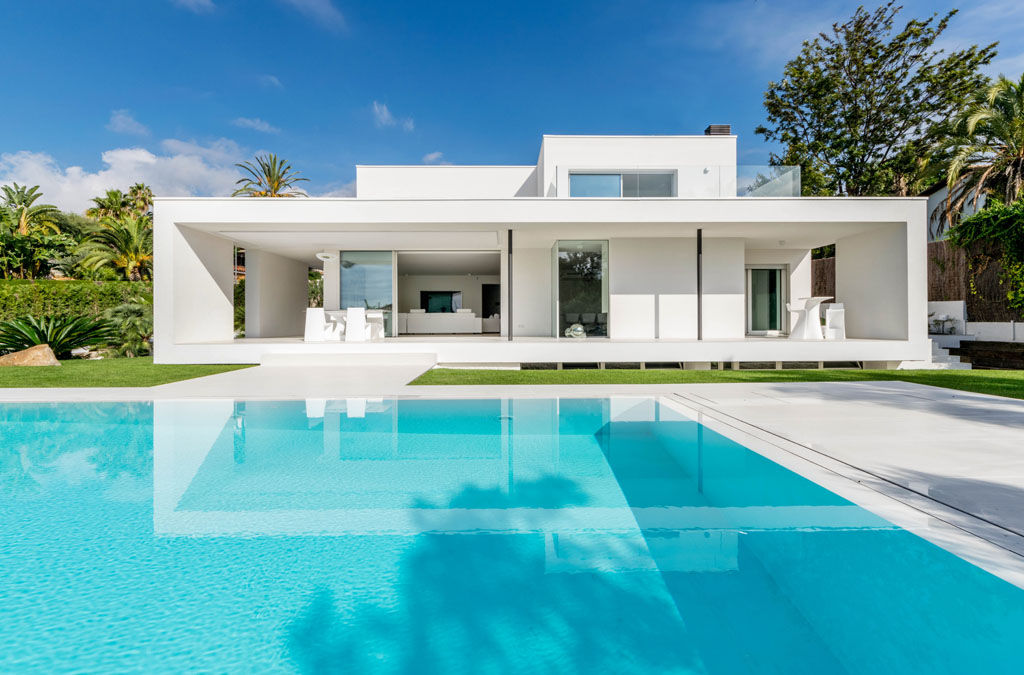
(945, 464)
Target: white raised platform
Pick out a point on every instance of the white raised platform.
(496, 349)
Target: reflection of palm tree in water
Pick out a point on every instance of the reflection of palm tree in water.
(488, 603)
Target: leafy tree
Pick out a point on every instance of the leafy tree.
(999, 227)
(861, 103)
(141, 197)
(125, 245)
(985, 153)
(269, 176)
(29, 216)
(115, 204)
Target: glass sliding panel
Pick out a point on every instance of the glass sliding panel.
(765, 300)
(654, 185)
(366, 282)
(582, 280)
(630, 185)
(595, 185)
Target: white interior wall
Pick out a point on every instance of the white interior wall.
(409, 287)
(724, 289)
(276, 295)
(872, 283)
(202, 287)
(653, 288)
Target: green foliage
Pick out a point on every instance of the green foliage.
(133, 321)
(67, 298)
(29, 216)
(62, 333)
(859, 104)
(985, 151)
(125, 245)
(269, 176)
(239, 294)
(1001, 226)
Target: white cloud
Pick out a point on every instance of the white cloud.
(256, 124)
(197, 6)
(344, 190)
(383, 117)
(184, 168)
(322, 11)
(269, 80)
(433, 157)
(122, 122)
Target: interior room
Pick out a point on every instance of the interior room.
(448, 292)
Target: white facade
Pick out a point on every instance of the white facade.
(628, 273)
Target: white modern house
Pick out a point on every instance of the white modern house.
(611, 249)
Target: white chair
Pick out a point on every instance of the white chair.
(835, 322)
(356, 329)
(808, 319)
(321, 326)
(375, 324)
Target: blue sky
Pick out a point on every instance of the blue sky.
(174, 92)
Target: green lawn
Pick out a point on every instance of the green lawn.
(140, 372)
(1000, 382)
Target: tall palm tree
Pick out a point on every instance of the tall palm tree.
(29, 216)
(269, 176)
(125, 244)
(115, 204)
(985, 154)
(141, 197)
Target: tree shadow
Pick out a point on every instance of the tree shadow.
(499, 602)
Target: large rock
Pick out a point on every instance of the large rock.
(40, 355)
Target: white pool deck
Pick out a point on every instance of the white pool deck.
(944, 464)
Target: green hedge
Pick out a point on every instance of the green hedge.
(65, 298)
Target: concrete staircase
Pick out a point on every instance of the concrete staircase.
(940, 360)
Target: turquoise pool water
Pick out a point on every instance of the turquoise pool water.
(482, 536)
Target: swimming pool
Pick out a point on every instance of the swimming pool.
(456, 536)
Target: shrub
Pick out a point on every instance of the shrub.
(66, 298)
(62, 333)
(1002, 227)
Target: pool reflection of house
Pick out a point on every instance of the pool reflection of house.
(610, 484)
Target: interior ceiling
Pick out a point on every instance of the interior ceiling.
(449, 263)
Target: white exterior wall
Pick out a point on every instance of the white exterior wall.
(194, 287)
(445, 181)
(697, 159)
(724, 289)
(409, 288)
(798, 261)
(532, 293)
(332, 282)
(276, 295)
(653, 288)
(872, 283)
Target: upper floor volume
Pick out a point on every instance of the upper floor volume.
(603, 167)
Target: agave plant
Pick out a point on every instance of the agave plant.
(62, 333)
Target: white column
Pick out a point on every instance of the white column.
(332, 282)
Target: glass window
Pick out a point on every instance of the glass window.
(630, 184)
(595, 185)
(654, 185)
(366, 282)
(582, 278)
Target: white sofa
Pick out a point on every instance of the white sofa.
(439, 323)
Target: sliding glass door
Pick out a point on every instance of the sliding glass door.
(766, 299)
(581, 287)
(366, 281)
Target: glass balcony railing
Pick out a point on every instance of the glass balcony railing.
(767, 181)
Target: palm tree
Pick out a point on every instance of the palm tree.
(115, 204)
(986, 152)
(28, 215)
(141, 197)
(268, 177)
(125, 244)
